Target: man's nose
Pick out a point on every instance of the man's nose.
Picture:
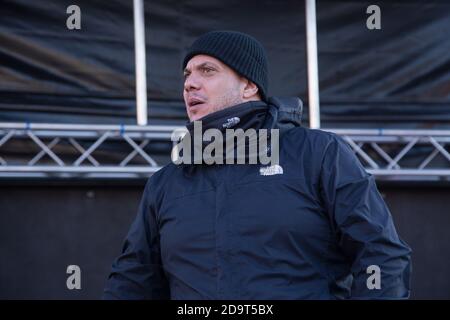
(191, 83)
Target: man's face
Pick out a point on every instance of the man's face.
(210, 86)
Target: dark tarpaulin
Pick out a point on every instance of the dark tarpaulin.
(399, 73)
(51, 74)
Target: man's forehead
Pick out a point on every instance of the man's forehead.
(203, 59)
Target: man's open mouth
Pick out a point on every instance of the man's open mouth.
(194, 102)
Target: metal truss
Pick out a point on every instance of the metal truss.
(89, 151)
(391, 154)
(120, 151)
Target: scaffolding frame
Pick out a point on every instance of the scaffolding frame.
(382, 152)
(47, 137)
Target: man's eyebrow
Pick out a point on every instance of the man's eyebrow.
(207, 64)
(202, 65)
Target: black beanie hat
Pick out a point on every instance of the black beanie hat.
(241, 52)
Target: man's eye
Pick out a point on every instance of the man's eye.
(207, 70)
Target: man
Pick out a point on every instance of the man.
(315, 228)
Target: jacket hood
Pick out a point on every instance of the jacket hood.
(284, 113)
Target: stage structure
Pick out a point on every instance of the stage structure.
(126, 151)
(119, 151)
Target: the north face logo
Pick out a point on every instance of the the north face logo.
(271, 170)
(231, 122)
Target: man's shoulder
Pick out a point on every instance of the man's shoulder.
(162, 176)
(320, 138)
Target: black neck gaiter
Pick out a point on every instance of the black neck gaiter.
(248, 115)
(241, 116)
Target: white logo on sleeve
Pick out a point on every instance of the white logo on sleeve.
(271, 170)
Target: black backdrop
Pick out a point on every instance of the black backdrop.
(398, 75)
(46, 227)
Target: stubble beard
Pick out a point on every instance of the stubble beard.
(228, 99)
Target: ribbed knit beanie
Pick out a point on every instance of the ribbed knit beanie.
(241, 52)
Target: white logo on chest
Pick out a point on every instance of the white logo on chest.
(271, 170)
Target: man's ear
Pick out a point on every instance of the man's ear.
(250, 89)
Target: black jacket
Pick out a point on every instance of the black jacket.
(230, 232)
